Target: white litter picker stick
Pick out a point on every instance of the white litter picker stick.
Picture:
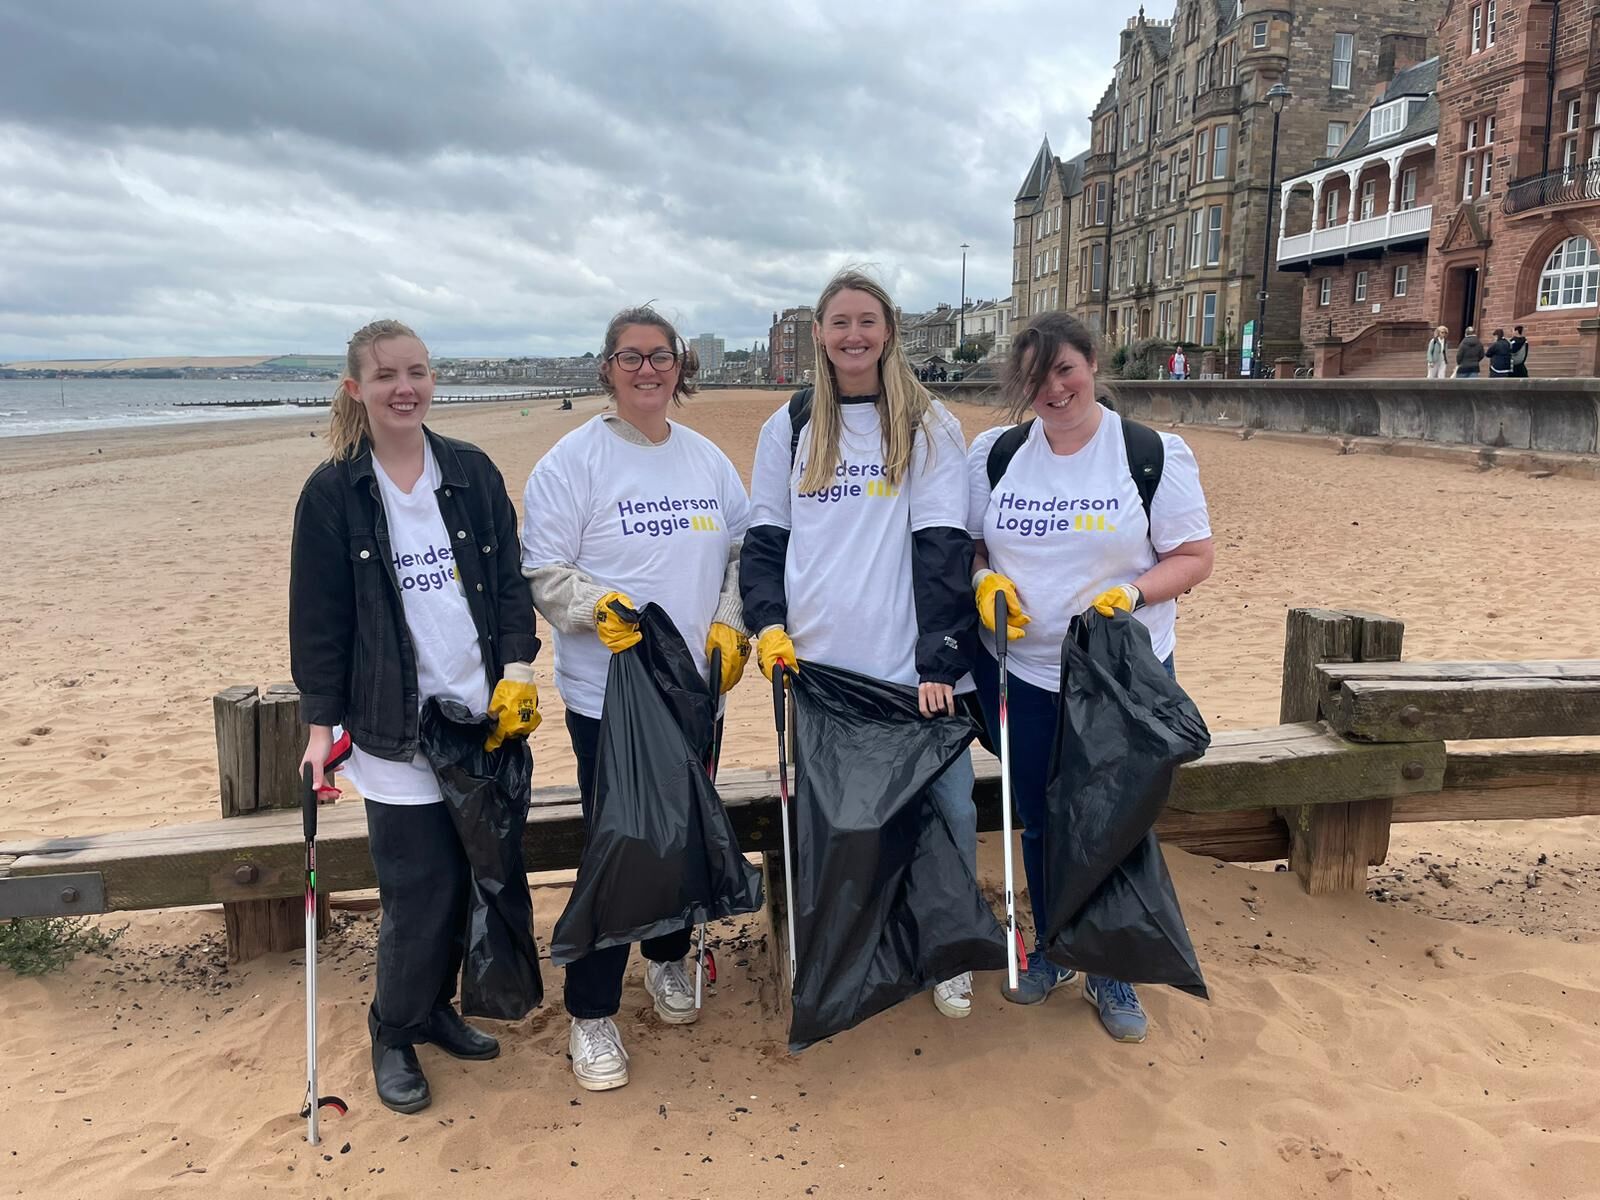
(314, 1103)
(783, 803)
(1013, 938)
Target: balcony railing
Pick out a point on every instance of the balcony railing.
(1402, 224)
(1571, 185)
(1099, 164)
(1223, 99)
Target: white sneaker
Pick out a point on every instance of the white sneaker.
(671, 986)
(953, 997)
(598, 1060)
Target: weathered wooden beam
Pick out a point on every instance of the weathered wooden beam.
(233, 711)
(1332, 845)
(1457, 710)
(1510, 785)
(1333, 674)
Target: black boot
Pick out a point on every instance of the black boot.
(456, 1038)
(401, 1084)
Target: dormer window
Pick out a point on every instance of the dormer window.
(1390, 119)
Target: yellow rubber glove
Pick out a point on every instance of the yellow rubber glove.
(772, 645)
(1124, 597)
(735, 648)
(514, 706)
(990, 585)
(616, 634)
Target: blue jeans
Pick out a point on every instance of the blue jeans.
(1033, 714)
(951, 794)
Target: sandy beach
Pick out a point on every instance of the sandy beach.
(1439, 1043)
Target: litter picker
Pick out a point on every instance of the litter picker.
(778, 715)
(705, 956)
(314, 1103)
(1014, 949)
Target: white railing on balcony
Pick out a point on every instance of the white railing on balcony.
(1353, 235)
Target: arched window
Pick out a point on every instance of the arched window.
(1571, 276)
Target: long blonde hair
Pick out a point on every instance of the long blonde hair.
(903, 403)
(347, 425)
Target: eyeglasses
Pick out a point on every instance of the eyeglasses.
(632, 360)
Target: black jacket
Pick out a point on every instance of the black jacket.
(1470, 352)
(349, 647)
(1499, 353)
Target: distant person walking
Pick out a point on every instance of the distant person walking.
(1519, 354)
(1439, 354)
(1178, 364)
(1469, 354)
(1499, 353)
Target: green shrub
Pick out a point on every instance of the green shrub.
(37, 945)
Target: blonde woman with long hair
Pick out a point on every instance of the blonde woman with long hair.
(404, 583)
(857, 553)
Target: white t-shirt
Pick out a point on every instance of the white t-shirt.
(449, 659)
(1065, 527)
(847, 578)
(655, 523)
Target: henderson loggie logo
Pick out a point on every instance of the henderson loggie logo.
(1058, 514)
(854, 479)
(666, 516)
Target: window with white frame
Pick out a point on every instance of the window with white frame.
(1097, 269)
(1258, 36)
(1208, 319)
(1190, 306)
(1331, 210)
(1472, 135)
(1175, 172)
(1180, 97)
(1158, 104)
(1408, 189)
(1052, 295)
(1488, 22)
(1150, 256)
(1336, 132)
(1388, 120)
(1138, 123)
(1219, 153)
(1325, 292)
(1469, 171)
(1194, 239)
(1099, 204)
(1402, 280)
(1476, 42)
(1213, 235)
(1571, 276)
(1201, 156)
(1361, 286)
(1083, 270)
(1369, 198)
(1172, 238)
(1344, 53)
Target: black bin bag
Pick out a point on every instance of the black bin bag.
(886, 905)
(1125, 726)
(659, 854)
(487, 793)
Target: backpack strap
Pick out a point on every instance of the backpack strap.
(1147, 454)
(1004, 449)
(799, 415)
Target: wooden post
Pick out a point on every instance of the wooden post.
(259, 743)
(1331, 845)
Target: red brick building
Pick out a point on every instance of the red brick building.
(1508, 180)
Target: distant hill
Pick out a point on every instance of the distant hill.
(282, 362)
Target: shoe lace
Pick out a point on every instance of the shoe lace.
(674, 979)
(1118, 995)
(599, 1039)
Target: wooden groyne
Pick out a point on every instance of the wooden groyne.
(572, 393)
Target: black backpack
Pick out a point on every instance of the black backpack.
(1147, 453)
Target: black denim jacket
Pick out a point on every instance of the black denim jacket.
(349, 647)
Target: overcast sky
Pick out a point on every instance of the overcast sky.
(233, 178)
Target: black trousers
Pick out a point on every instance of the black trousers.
(594, 983)
(424, 886)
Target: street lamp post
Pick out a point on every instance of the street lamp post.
(1277, 96)
(961, 317)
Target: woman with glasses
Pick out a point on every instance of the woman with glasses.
(628, 509)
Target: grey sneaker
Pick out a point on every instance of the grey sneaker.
(598, 1060)
(1120, 1010)
(671, 986)
(1040, 979)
